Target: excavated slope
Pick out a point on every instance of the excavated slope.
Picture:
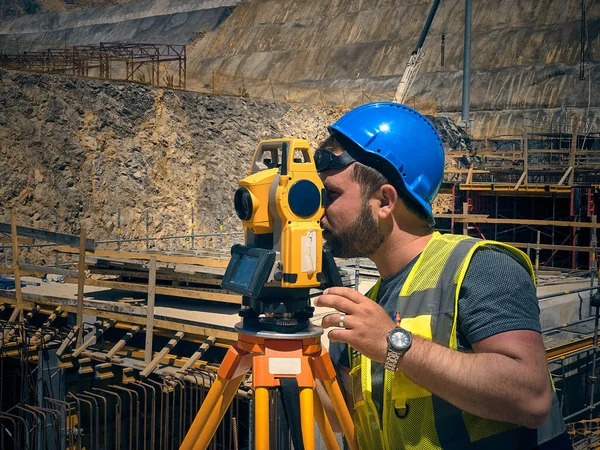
(85, 149)
(145, 21)
(525, 54)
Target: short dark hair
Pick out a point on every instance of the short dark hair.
(371, 180)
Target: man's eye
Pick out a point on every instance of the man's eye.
(330, 196)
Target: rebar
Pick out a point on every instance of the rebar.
(153, 413)
(99, 397)
(117, 415)
(130, 393)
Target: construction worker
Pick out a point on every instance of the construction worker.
(445, 351)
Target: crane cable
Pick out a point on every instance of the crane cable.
(583, 44)
(443, 44)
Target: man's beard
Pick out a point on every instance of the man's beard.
(361, 239)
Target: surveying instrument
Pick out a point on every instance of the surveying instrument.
(280, 204)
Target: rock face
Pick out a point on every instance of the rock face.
(141, 21)
(525, 56)
(89, 148)
(85, 149)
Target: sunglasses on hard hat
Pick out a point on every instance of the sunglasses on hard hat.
(326, 160)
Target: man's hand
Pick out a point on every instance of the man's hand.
(506, 378)
(366, 324)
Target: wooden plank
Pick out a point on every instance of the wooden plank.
(43, 270)
(20, 241)
(80, 285)
(556, 223)
(6, 334)
(119, 345)
(157, 359)
(15, 255)
(48, 236)
(521, 180)
(509, 187)
(564, 177)
(470, 175)
(196, 356)
(68, 341)
(573, 149)
(126, 314)
(169, 276)
(150, 310)
(175, 292)
(525, 159)
(51, 318)
(177, 259)
(460, 216)
(568, 248)
(93, 337)
(508, 154)
(22, 272)
(472, 171)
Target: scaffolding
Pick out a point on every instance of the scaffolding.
(106, 60)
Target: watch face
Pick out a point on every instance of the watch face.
(400, 339)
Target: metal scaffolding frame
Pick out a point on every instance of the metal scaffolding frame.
(100, 60)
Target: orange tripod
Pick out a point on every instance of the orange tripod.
(273, 356)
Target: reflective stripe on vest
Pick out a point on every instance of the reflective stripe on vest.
(414, 418)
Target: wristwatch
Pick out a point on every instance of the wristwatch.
(399, 341)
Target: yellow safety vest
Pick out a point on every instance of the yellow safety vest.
(414, 418)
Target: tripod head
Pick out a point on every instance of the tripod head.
(280, 204)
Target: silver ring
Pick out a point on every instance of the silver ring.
(341, 324)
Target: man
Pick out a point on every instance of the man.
(445, 351)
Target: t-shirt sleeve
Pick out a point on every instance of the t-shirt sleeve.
(497, 295)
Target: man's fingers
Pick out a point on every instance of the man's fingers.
(335, 320)
(342, 304)
(349, 293)
(343, 299)
(339, 335)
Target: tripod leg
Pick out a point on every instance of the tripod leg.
(341, 411)
(211, 413)
(324, 425)
(261, 418)
(216, 416)
(307, 418)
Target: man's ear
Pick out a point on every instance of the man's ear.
(388, 198)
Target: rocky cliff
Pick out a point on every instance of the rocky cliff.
(86, 149)
(527, 56)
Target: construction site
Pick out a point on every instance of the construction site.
(126, 125)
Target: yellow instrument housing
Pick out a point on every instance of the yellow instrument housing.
(287, 201)
(259, 185)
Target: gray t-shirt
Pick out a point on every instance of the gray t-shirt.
(496, 296)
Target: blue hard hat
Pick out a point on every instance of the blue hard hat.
(400, 143)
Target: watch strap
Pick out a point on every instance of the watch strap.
(391, 359)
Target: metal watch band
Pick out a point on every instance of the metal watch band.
(391, 360)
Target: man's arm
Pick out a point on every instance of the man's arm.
(506, 378)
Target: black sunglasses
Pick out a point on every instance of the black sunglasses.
(326, 160)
